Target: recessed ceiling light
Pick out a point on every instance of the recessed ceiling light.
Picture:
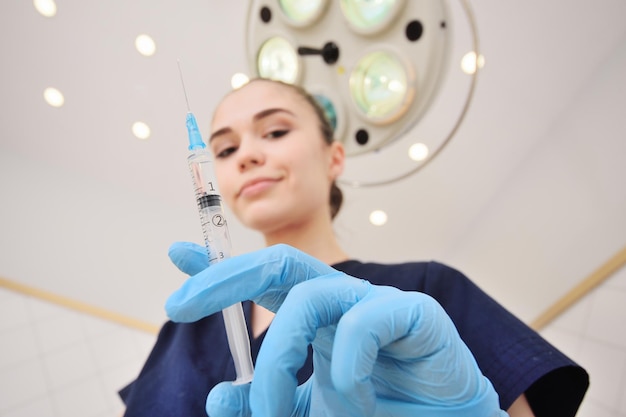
(469, 63)
(53, 97)
(145, 45)
(47, 8)
(378, 217)
(418, 152)
(238, 80)
(141, 130)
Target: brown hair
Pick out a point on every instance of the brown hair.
(336, 195)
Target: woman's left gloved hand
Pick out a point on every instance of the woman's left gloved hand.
(378, 351)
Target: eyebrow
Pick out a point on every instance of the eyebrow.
(260, 115)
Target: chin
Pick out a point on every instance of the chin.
(262, 217)
(270, 215)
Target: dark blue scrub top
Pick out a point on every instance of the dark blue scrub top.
(189, 359)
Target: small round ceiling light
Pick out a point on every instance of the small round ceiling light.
(369, 17)
(46, 8)
(302, 13)
(379, 86)
(418, 152)
(141, 130)
(53, 97)
(238, 80)
(378, 217)
(469, 63)
(278, 60)
(145, 45)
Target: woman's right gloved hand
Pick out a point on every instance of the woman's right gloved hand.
(378, 351)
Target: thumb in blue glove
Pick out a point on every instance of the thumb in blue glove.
(377, 350)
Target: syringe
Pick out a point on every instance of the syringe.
(217, 241)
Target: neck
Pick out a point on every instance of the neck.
(315, 238)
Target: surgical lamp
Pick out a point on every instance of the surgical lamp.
(376, 66)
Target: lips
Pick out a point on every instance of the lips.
(256, 186)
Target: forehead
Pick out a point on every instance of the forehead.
(255, 97)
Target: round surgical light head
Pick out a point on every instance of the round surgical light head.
(302, 13)
(377, 68)
(379, 86)
(278, 60)
(368, 17)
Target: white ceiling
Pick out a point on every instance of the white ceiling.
(88, 210)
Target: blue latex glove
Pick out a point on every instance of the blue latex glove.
(378, 351)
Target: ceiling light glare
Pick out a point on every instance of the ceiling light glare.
(238, 80)
(145, 45)
(369, 16)
(141, 130)
(468, 62)
(302, 12)
(418, 152)
(46, 8)
(378, 217)
(53, 97)
(379, 87)
(278, 60)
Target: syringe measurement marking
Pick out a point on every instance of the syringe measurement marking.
(200, 190)
(216, 220)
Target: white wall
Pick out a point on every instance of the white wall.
(566, 201)
(55, 362)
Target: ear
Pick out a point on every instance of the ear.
(337, 160)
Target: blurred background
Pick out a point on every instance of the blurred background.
(527, 199)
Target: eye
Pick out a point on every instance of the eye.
(275, 134)
(226, 152)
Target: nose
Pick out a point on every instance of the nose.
(249, 155)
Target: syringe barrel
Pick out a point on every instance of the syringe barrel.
(214, 227)
(217, 241)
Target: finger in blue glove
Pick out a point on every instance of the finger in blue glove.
(264, 276)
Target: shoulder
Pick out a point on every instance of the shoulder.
(409, 276)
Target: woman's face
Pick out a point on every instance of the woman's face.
(273, 167)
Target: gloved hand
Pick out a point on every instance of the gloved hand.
(378, 351)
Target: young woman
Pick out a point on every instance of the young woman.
(276, 165)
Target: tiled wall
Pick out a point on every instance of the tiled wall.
(56, 362)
